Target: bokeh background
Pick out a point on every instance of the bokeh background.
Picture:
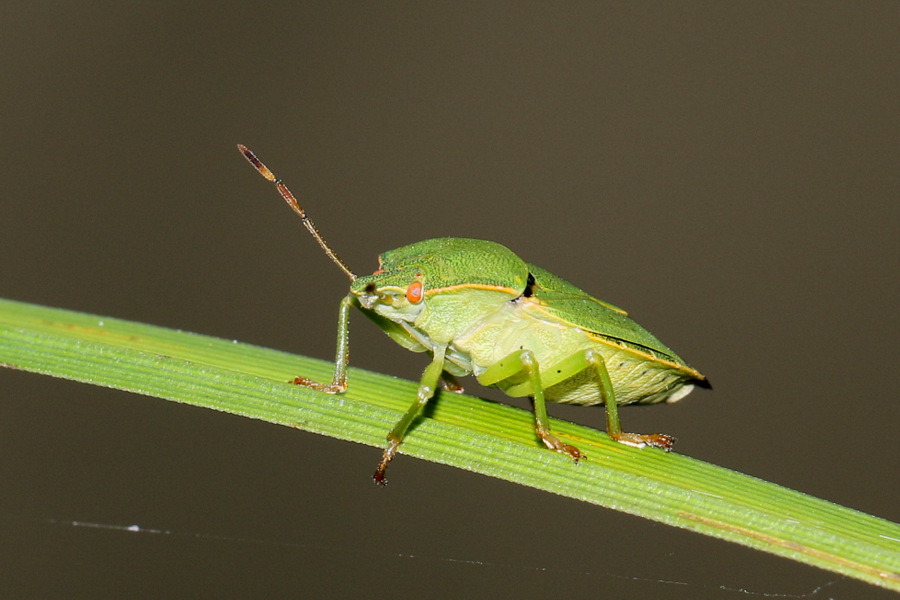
(727, 172)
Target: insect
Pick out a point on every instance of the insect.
(477, 308)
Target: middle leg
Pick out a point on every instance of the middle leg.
(523, 361)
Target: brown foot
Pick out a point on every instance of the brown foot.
(554, 443)
(328, 389)
(642, 440)
(449, 383)
(389, 453)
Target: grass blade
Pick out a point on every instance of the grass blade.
(461, 431)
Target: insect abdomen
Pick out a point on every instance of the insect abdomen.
(635, 377)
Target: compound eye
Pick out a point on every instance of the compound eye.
(415, 292)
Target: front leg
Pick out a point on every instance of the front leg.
(342, 356)
(427, 386)
(524, 361)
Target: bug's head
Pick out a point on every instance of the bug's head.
(395, 293)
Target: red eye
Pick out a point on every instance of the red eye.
(415, 292)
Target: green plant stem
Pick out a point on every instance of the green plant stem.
(466, 432)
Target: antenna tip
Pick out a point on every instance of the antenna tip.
(257, 164)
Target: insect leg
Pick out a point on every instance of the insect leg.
(450, 383)
(613, 427)
(427, 386)
(342, 356)
(524, 361)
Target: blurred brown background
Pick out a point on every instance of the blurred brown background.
(726, 172)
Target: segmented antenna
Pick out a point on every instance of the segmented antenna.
(292, 202)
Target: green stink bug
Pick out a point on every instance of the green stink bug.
(478, 309)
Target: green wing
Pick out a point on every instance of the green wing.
(563, 301)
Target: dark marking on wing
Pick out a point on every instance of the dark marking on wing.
(529, 287)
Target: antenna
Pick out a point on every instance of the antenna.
(292, 202)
